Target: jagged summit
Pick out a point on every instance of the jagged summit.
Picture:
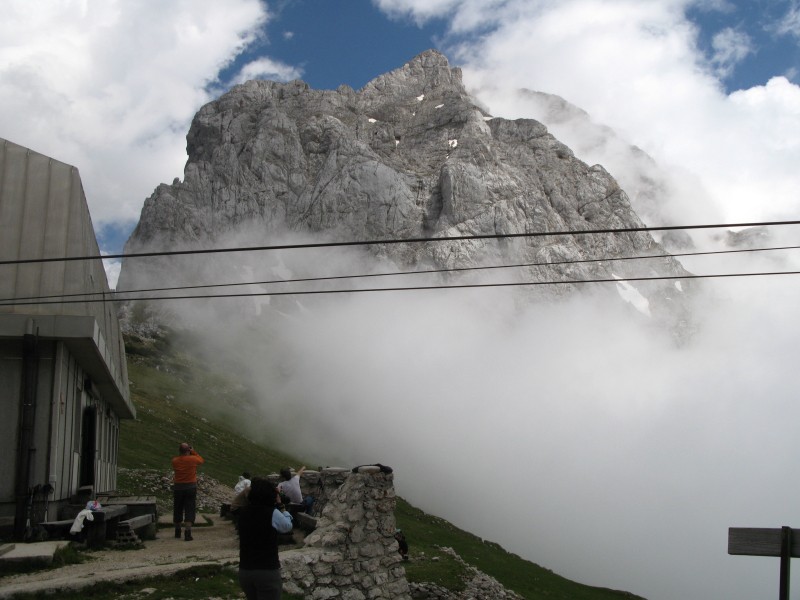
(411, 154)
(427, 72)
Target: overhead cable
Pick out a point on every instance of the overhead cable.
(118, 297)
(417, 240)
(395, 273)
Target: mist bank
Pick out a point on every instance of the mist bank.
(575, 432)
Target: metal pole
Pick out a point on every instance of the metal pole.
(786, 556)
(25, 447)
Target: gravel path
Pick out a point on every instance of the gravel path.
(215, 544)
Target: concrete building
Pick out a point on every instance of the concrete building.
(63, 376)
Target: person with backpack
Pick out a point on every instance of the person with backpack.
(402, 543)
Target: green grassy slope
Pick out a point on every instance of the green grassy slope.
(167, 388)
(166, 417)
(427, 533)
(179, 398)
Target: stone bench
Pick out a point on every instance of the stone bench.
(133, 530)
(305, 522)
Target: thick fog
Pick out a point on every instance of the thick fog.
(577, 434)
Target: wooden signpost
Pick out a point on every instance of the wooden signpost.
(783, 542)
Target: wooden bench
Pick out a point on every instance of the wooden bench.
(103, 526)
(57, 529)
(138, 506)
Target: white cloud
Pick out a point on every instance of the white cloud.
(726, 6)
(630, 484)
(112, 269)
(418, 10)
(111, 86)
(605, 451)
(730, 48)
(790, 24)
(646, 453)
(266, 68)
(636, 67)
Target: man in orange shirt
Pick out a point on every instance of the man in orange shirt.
(184, 486)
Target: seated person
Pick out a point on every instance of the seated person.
(244, 482)
(290, 487)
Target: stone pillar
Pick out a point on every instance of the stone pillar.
(352, 555)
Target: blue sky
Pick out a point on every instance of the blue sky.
(105, 84)
(352, 42)
(709, 88)
(771, 50)
(340, 42)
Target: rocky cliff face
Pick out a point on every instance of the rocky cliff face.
(410, 155)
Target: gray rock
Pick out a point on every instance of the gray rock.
(410, 155)
(751, 237)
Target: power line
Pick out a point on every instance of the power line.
(399, 241)
(395, 273)
(414, 288)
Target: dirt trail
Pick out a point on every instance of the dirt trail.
(214, 544)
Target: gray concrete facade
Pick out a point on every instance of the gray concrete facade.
(63, 375)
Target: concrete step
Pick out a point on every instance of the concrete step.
(39, 552)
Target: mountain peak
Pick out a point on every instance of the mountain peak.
(425, 72)
(411, 155)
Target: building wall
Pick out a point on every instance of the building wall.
(44, 219)
(62, 401)
(44, 214)
(71, 398)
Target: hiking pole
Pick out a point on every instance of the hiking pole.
(28, 529)
(47, 489)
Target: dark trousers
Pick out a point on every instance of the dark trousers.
(261, 584)
(184, 501)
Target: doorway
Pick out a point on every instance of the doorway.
(88, 446)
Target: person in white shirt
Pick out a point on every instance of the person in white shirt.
(290, 487)
(242, 484)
